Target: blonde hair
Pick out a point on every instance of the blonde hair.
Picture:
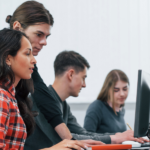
(107, 91)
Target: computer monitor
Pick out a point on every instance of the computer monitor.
(142, 111)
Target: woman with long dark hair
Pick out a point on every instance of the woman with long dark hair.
(106, 114)
(16, 67)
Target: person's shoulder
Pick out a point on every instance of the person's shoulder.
(53, 93)
(95, 108)
(96, 104)
(4, 95)
(51, 90)
(3, 91)
(35, 67)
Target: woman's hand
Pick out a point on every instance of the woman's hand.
(128, 135)
(68, 145)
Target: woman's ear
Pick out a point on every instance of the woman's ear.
(8, 60)
(17, 26)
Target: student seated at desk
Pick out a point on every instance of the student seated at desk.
(106, 114)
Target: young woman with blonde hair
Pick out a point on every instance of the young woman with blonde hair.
(106, 114)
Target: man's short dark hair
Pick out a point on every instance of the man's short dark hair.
(67, 59)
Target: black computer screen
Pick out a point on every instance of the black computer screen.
(142, 111)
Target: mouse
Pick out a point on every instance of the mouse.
(133, 143)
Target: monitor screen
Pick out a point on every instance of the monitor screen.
(142, 111)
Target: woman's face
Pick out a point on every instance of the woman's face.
(120, 92)
(38, 34)
(23, 63)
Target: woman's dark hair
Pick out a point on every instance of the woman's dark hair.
(10, 43)
(30, 13)
(106, 92)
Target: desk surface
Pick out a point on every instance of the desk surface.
(146, 148)
(140, 148)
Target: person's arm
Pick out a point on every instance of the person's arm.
(93, 117)
(62, 128)
(80, 133)
(47, 105)
(4, 119)
(67, 145)
(90, 123)
(63, 131)
(128, 135)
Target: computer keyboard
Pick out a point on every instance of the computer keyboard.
(147, 144)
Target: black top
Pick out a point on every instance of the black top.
(47, 105)
(71, 122)
(101, 118)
